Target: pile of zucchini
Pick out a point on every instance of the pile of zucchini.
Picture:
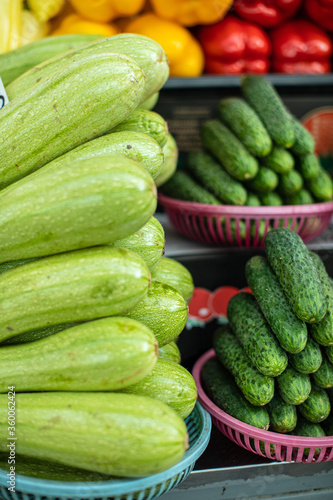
(273, 367)
(255, 154)
(90, 309)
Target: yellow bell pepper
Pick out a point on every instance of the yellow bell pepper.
(107, 10)
(45, 9)
(75, 24)
(32, 28)
(191, 12)
(185, 55)
(10, 24)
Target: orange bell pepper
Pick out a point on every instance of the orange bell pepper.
(191, 12)
(104, 11)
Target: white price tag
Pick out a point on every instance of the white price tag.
(3, 96)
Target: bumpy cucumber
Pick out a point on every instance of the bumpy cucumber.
(71, 287)
(252, 200)
(329, 353)
(72, 358)
(322, 186)
(265, 181)
(302, 197)
(221, 388)
(272, 199)
(258, 389)
(327, 425)
(170, 383)
(52, 117)
(308, 429)
(170, 152)
(170, 352)
(291, 262)
(111, 433)
(254, 333)
(317, 406)
(309, 166)
(279, 159)
(145, 122)
(182, 186)
(304, 142)
(322, 331)
(309, 359)
(282, 415)
(90, 202)
(323, 377)
(290, 331)
(175, 274)
(290, 183)
(294, 387)
(163, 310)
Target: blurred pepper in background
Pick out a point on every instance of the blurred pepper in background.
(321, 12)
(10, 24)
(103, 11)
(266, 13)
(191, 12)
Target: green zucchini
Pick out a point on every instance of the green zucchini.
(282, 415)
(272, 199)
(170, 352)
(290, 260)
(40, 333)
(290, 183)
(279, 159)
(252, 200)
(149, 103)
(322, 332)
(170, 152)
(170, 383)
(308, 165)
(308, 429)
(110, 433)
(317, 406)
(163, 310)
(304, 142)
(323, 377)
(221, 388)
(182, 186)
(53, 117)
(89, 202)
(322, 186)
(175, 274)
(302, 197)
(71, 287)
(265, 181)
(309, 359)
(290, 331)
(254, 333)
(228, 150)
(294, 387)
(258, 389)
(72, 358)
(145, 122)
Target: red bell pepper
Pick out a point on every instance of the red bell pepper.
(321, 12)
(267, 13)
(301, 47)
(233, 46)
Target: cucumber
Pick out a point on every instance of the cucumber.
(327, 425)
(170, 352)
(322, 332)
(321, 187)
(294, 387)
(290, 183)
(290, 331)
(170, 383)
(110, 433)
(175, 274)
(272, 199)
(212, 176)
(279, 159)
(16, 62)
(302, 197)
(145, 122)
(254, 333)
(181, 186)
(246, 125)
(170, 152)
(228, 150)
(317, 406)
(323, 377)
(150, 103)
(221, 388)
(163, 310)
(258, 389)
(90, 202)
(282, 415)
(52, 117)
(308, 165)
(304, 142)
(265, 181)
(252, 200)
(265, 100)
(290, 260)
(329, 353)
(308, 429)
(309, 359)
(71, 287)
(72, 358)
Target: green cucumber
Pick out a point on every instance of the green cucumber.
(72, 358)
(305, 428)
(317, 406)
(71, 287)
(254, 333)
(175, 274)
(252, 200)
(182, 186)
(170, 383)
(308, 165)
(321, 187)
(111, 433)
(170, 352)
(282, 415)
(329, 353)
(323, 377)
(290, 260)
(279, 159)
(272, 199)
(265, 181)
(221, 388)
(163, 310)
(309, 359)
(294, 387)
(258, 389)
(290, 331)
(145, 122)
(304, 142)
(322, 332)
(170, 152)
(302, 197)
(90, 202)
(327, 425)
(290, 183)
(228, 150)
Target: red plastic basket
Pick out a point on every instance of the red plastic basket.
(239, 226)
(280, 447)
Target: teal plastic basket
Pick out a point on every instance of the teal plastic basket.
(198, 425)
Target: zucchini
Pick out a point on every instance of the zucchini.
(163, 310)
(72, 358)
(52, 117)
(322, 186)
(221, 388)
(182, 186)
(265, 100)
(254, 333)
(309, 359)
(265, 181)
(272, 199)
(145, 122)
(71, 287)
(322, 332)
(170, 152)
(282, 415)
(290, 260)
(317, 406)
(170, 383)
(212, 176)
(302, 197)
(304, 142)
(308, 165)
(290, 331)
(294, 387)
(290, 183)
(228, 150)
(170, 352)
(246, 125)
(323, 377)
(110, 433)
(40, 333)
(252, 200)
(258, 389)
(149, 103)
(175, 274)
(308, 429)
(89, 202)
(279, 159)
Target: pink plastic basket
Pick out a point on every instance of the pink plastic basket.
(239, 226)
(280, 447)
